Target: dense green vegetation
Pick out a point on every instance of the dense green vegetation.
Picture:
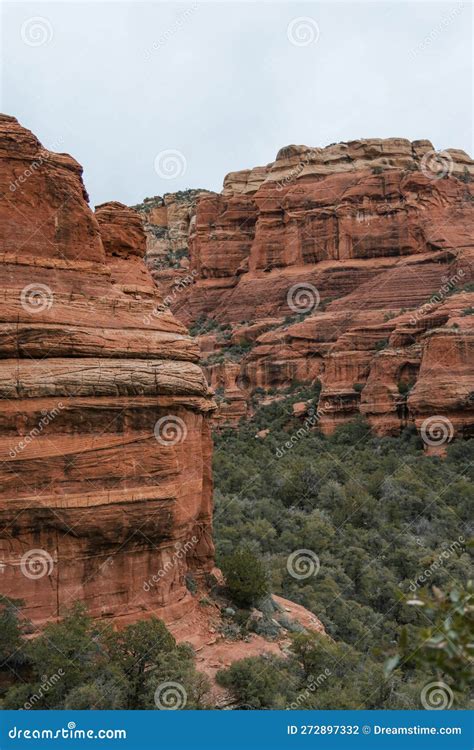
(384, 520)
(388, 527)
(82, 664)
(204, 324)
(230, 352)
(317, 674)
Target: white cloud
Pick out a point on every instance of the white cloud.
(119, 82)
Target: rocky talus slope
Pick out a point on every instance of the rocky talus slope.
(351, 264)
(105, 483)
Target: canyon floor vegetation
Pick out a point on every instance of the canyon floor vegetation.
(383, 533)
(388, 525)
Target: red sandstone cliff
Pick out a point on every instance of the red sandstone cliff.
(105, 485)
(352, 264)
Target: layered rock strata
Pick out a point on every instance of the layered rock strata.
(167, 222)
(340, 264)
(105, 491)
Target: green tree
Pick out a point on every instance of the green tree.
(66, 655)
(259, 682)
(137, 649)
(178, 666)
(245, 577)
(11, 631)
(108, 691)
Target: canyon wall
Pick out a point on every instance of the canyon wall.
(351, 265)
(105, 486)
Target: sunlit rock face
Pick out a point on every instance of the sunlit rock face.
(337, 264)
(105, 490)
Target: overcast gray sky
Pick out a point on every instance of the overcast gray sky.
(224, 85)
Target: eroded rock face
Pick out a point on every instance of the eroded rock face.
(346, 257)
(167, 221)
(105, 486)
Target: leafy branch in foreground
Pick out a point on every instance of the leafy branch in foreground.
(445, 646)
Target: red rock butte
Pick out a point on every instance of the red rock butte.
(351, 264)
(105, 491)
